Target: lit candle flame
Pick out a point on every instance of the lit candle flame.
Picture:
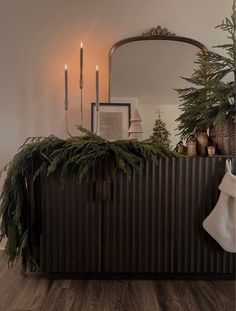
(65, 66)
(81, 45)
(97, 68)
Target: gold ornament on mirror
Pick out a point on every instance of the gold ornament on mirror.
(158, 31)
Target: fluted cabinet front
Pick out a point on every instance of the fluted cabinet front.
(70, 240)
(150, 222)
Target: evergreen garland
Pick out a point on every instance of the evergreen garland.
(212, 99)
(72, 157)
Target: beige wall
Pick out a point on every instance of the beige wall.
(38, 37)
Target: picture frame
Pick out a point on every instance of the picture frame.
(114, 120)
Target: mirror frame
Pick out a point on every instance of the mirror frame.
(157, 33)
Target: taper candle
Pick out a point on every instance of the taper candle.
(97, 88)
(81, 65)
(97, 103)
(66, 88)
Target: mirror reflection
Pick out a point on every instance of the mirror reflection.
(145, 73)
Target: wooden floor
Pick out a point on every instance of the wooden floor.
(35, 292)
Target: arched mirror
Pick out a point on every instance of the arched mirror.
(145, 70)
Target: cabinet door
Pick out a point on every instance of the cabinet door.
(71, 225)
(138, 235)
(120, 226)
(197, 184)
(153, 222)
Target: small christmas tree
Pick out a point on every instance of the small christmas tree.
(160, 134)
(135, 130)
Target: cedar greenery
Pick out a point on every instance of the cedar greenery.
(212, 99)
(74, 156)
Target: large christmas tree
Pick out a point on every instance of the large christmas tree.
(160, 134)
(211, 99)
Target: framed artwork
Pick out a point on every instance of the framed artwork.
(114, 120)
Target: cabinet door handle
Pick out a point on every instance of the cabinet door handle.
(99, 191)
(106, 191)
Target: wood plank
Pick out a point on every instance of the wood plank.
(37, 292)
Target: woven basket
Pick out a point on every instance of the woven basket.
(225, 137)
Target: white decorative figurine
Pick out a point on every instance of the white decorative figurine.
(135, 130)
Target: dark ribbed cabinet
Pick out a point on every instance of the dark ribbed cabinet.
(150, 222)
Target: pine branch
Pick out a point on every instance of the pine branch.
(75, 157)
(212, 98)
